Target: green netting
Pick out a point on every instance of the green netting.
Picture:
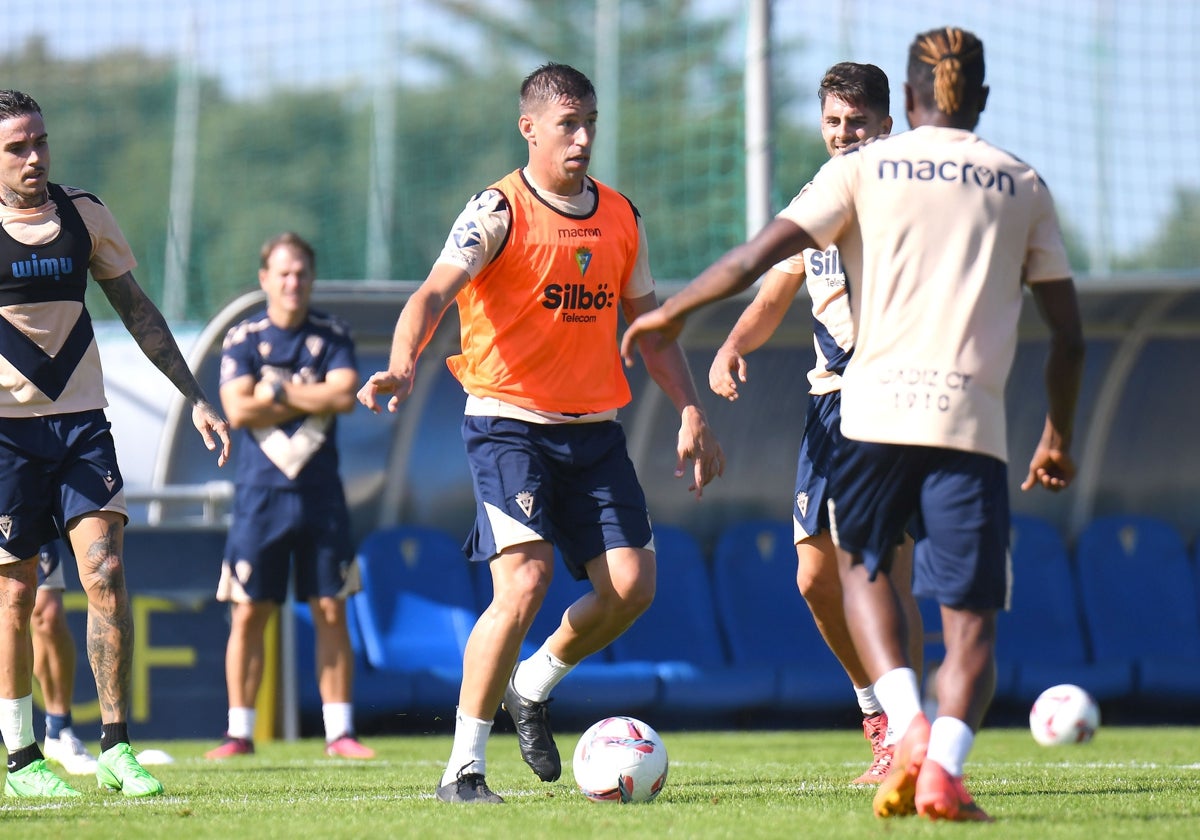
(366, 124)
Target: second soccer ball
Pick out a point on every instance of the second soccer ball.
(1064, 714)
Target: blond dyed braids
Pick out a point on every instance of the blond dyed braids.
(956, 57)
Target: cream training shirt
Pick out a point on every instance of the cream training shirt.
(949, 229)
(833, 326)
(47, 324)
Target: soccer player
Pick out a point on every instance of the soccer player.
(855, 102)
(58, 465)
(54, 666)
(540, 263)
(952, 228)
(286, 373)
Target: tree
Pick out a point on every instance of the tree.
(1174, 247)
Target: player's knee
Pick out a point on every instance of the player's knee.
(45, 623)
(330, 612)
(521, 590)
(637, 597)
(820, 585)
(106, 576)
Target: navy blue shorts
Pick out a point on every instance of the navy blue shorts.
(275, 530)
(52, 470)
(822, 434)
(571, 484)
(50, 569)
(957, 503)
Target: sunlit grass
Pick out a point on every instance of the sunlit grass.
(1130, 782)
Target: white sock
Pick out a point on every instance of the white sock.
(537, 675)
(241, 722)
(900, 697)
(470, 746)
(339, 720)
(950, 740)
(16, 722)
(870, 706)
(867, 701)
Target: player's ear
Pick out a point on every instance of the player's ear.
(886, 125)
(525, 126)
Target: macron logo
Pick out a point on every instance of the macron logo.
(947, 170)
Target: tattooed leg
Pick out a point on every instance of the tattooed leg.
(98, 540)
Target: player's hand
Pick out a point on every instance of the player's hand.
(698, 444)
(384, 383)
(653, 321)
(264, 391)
(1050, 468)
(212, 426)
(728, 368)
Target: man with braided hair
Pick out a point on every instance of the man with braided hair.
(951, 229)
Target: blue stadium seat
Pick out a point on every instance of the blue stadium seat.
(377, 693)
(766, 621)
(1195, 558)
(931, 621)
(1139, 599)
(1040, 639)
(416, 609)
(596, 687)
(679, 634)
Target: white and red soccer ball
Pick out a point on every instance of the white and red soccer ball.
(620, 759)
(1064, 714)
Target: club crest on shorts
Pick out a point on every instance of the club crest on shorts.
(802, 503)
(524, 501)
(5, 525)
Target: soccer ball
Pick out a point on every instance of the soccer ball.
(620, 759)
(1064, 714)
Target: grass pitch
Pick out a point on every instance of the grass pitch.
(1128, 783)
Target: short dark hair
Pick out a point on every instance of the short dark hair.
(551, 82)
(945, 68)
(14, 103)
(289, 240)
(863, 85)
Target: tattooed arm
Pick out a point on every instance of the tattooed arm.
(149, 329)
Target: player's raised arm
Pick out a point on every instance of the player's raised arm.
(730, 274)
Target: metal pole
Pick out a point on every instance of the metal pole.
(381, 183)
(183, 180)
(758, 116)
(608, 90)
(289, 683)
(1102, 83)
